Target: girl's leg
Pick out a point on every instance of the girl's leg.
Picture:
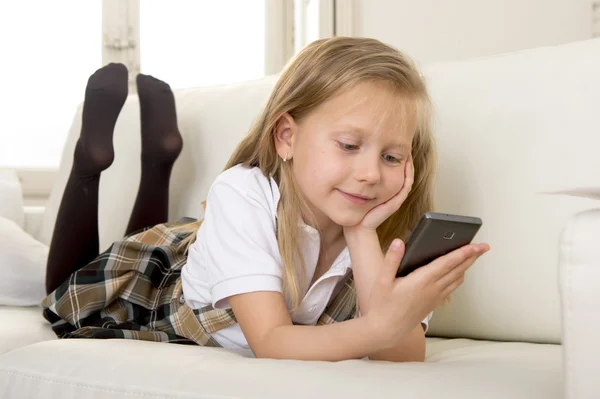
(75, 239)
(161, 145)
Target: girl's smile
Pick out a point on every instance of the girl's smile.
(356, 199)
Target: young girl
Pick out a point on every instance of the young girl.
(297, 253)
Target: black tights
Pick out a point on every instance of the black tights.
(75, 239)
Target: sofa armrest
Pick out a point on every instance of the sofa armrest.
(33, 221)
(579, 271)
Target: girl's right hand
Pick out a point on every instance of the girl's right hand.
(397, 305)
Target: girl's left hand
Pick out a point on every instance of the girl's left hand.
(381, 212)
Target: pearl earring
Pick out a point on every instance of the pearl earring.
(286, 155)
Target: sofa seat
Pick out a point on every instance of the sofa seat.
(22, 326)
(455, 368)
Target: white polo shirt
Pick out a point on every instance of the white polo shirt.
(236, 252)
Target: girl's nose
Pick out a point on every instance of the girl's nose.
(367, 169)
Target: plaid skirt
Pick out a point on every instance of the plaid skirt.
(133, 291)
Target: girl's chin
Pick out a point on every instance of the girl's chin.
(347, 219)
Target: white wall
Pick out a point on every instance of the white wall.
(439, 30)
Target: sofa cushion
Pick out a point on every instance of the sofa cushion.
(21, 326)
(22, 266)
(11, 197)
(118, 368)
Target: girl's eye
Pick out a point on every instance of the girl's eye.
(347, 147)
(391, 159)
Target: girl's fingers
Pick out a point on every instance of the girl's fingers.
(411, 170)
(394, 203)
(457, 273)
(445, 264)
(452, 287)
(392, 259)
(409, 177)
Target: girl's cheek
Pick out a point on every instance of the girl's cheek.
(394, 189)
(399, 183)
(394, 184)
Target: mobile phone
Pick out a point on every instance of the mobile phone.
(436, 234)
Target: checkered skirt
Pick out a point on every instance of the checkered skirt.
(133, 291)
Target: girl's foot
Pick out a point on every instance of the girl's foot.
(105, 94)
(161, 140)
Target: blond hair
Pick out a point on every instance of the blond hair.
(320, 71)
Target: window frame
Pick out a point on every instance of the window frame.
(121, 43)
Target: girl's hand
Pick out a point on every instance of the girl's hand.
(381, 212)
(397, 305)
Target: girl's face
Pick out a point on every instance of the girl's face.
(350, 152)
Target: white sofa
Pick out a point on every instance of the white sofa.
(525, 323)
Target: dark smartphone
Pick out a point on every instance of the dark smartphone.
(436, 234)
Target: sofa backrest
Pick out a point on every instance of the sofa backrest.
(211, 120)
(493, 114)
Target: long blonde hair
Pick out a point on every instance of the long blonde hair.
(320, 71)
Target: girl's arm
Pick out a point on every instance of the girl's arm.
(395, 306)
(411, 349)
(367, 258)
(268, 328)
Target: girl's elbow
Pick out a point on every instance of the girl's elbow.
(267, 350)
(266, 354)
(400, 356)
(419, 359)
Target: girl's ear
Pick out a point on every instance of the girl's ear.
(285, 132)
